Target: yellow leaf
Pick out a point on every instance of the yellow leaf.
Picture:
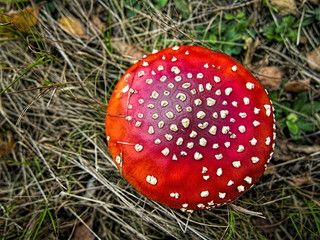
(73, 26)
(22, 20)
(285, 7)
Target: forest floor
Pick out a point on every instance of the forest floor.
(59, 61)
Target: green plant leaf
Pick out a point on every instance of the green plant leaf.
(305, 125)
(218, 28)
(317, 14)
(269, 31)
(228, 16)
(292, 35)
(300, 100)
(241, 15)
(183, 7)
(200, 29)
(242, 26)
(231, 36)
(236, 50)
(227, 49)
(286, 28)
(293, 127)
(305, 22)
(288, 21)
(160, 3)
(310, 108)
(292, 117)
(212, 38)
(133, 4)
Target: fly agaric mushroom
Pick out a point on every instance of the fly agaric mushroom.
(190, 128)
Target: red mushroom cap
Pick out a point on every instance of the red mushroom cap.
(190, 128)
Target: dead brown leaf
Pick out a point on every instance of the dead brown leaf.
(303, 40)
(285, 7)
(300, 181)
(270, 77)
(130, 51)
(251, 47)
(264, 225)
(257, 6)
(83, 233)
(281, 152)
(270, 170)
(22, 20)
(73, 26)
(315, 2)
(7, 144)
(313, 58)
(297, 86)
(303, 148)
(98, 24)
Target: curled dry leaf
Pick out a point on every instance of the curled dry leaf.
(297, 86)
(73, 26)
(300, 181)
(98, 24)
(282, 152)
(82, 232)
(313, 58)
(130, 51)
(303, 148)
(22, 20)
(315, 2)
(285, 7)
(303, 39)
(7, 144)
(251, 48)
(270, 77)
(271, 170)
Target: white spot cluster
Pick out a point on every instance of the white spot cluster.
(152, 180)
(138, 147)
(174, 195)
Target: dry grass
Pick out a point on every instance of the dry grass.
(60, 175)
